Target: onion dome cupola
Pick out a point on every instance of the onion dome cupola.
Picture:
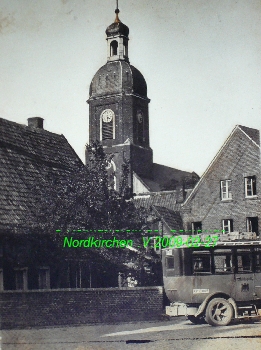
(117, 76)
(117, 40)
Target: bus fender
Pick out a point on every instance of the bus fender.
(203, 305)
(233, 303)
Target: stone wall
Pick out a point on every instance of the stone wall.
(21, 309)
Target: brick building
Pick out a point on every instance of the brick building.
(227, 197)
(33, 160)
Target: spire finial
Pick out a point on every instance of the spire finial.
(117, 20)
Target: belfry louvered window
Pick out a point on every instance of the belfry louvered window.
(107, 125)
(107, 130)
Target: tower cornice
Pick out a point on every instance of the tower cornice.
(117, 95)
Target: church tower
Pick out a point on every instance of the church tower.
(119, 108)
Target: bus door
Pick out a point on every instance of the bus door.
(244, 275)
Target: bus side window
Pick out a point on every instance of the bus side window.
(223, 261)
(169, 262)
(244, 262)
(201, 263)
(258, 261)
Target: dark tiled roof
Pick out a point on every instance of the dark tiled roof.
(30, 157)
(168, 199)
(167, 178)
(252, 133)
(172, 219)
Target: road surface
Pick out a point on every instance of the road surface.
(175, 334)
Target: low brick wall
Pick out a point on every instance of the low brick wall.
(20, 309)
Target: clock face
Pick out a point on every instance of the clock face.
(139, 116)
(107, 115)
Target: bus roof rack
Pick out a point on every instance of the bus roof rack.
(224, 239)
(233, 236)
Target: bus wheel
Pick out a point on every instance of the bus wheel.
(196, 320)
(219, 312)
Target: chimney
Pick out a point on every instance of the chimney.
(35, 122)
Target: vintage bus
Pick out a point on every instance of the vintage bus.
(213, 283)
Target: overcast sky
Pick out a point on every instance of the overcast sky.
(201, 60)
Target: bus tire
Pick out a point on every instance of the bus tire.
(219, 312)
(196, 320)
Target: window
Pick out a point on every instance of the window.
(244, 261)
(250, 186)
(201, 262)
(44, 278)
(107, 130)
(257, 260)
(196, 227)
(125, 48)
(169, 262)
(21, 278)
(225, 186)
(111, 169)
(227, 225)
(114, 48)
(107, 125)
(140, 126)
(252, 224)
(223, 261)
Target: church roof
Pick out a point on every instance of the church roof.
(117, 28)
(30, 158)
(116, 77)
(167, 178)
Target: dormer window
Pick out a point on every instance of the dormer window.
(114, 48)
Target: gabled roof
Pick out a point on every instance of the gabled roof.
(252, 134)
(167, 199)
(166, 178)
(170, 218)
(30, 158)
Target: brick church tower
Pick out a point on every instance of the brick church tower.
(119, 108)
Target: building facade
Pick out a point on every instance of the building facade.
(227, 197)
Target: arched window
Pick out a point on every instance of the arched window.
(112, 175)
(107, 125)
(140, 119)
(114, 48)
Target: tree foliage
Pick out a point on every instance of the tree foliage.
(85, 201)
